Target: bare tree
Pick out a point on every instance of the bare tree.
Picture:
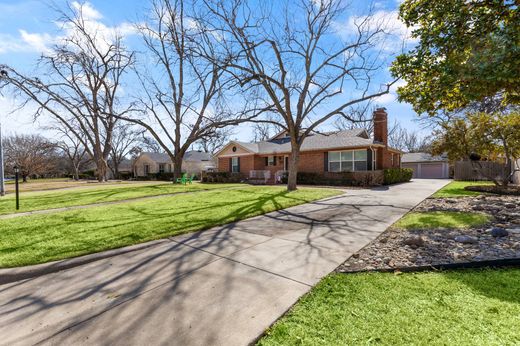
(72, 149)
(81, 86)
(125, 138)
(33, 154)
(211, 144)
(359, 115)
(182, 97)
(264, 131)
(291, 58)
(408, 141)
(148, 144)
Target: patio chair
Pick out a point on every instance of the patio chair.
(182, 179)
(190, 179)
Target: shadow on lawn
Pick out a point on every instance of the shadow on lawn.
(164, 277)
(492, 283)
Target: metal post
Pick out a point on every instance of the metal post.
(2, 186)
(17, 188)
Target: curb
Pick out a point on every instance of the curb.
(507, 262)
(9, 275)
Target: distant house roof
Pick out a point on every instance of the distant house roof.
(192, 155)
(197, 155)
(422, 157)
(321, 141)
(158, 157)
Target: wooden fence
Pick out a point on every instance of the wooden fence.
(467, 170)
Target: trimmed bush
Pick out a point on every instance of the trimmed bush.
(397, 175)
(221, 177)
(363, 178)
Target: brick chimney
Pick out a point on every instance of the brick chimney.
(381, 125)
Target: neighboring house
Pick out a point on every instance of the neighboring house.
(426, 166)
(516, 175)
(341, 151)
(152, 163)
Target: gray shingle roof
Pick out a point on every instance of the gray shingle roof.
(195, 155)
(421, 157)
(330, 140)
(192, 155)
(158, 157)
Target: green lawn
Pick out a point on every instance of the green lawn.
(456, 189)
(42, 238)
(446, 219)
(471, 307)
(82, 196)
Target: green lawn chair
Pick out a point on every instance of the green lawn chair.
(183, 179)
(190, 179)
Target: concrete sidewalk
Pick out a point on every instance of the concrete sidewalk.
(223, 286)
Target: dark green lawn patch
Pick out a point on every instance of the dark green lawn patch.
(31, 201)
(470, 307)
(456, 189)
(42, 238)
(444, 219)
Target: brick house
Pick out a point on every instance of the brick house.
(194, 162)
(341, 151)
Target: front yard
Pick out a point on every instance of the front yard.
(470, 307)
(97, 193)
(359, 305)
(35, 239)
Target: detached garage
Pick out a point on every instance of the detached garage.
(426, 166)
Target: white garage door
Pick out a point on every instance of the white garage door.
(431, 170)
(426, 171)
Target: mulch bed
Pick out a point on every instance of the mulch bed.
(397, 248)
(501, 190)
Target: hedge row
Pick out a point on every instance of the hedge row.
(397, 175)
(221, 177)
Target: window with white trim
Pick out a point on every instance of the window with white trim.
(271, 161)
(374, 159)
(162, 167)
(347, 161)
(235, 168)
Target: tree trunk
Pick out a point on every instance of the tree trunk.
(177, 167)
(76, 173)
(293, 168)
(101, 166)
(24, 178)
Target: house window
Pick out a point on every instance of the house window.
(146, 169)
(374, 159)
(271, 161)
(169, 167)
(162, 167)
(348, 161)
(235, 168)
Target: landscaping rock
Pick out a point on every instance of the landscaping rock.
(425, 247)
(416, 241)
(499, 232)
(466, 239)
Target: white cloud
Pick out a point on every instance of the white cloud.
(28, 42)
(397, 34)
(392, 95)
(87, 10)
(37, 42)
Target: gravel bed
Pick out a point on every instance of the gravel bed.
(397, 248)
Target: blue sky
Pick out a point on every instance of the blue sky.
(27, 27)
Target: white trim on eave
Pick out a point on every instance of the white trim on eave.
(235, 143)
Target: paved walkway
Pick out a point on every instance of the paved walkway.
(224, 286)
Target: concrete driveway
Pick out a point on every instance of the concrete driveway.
(223, 286)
